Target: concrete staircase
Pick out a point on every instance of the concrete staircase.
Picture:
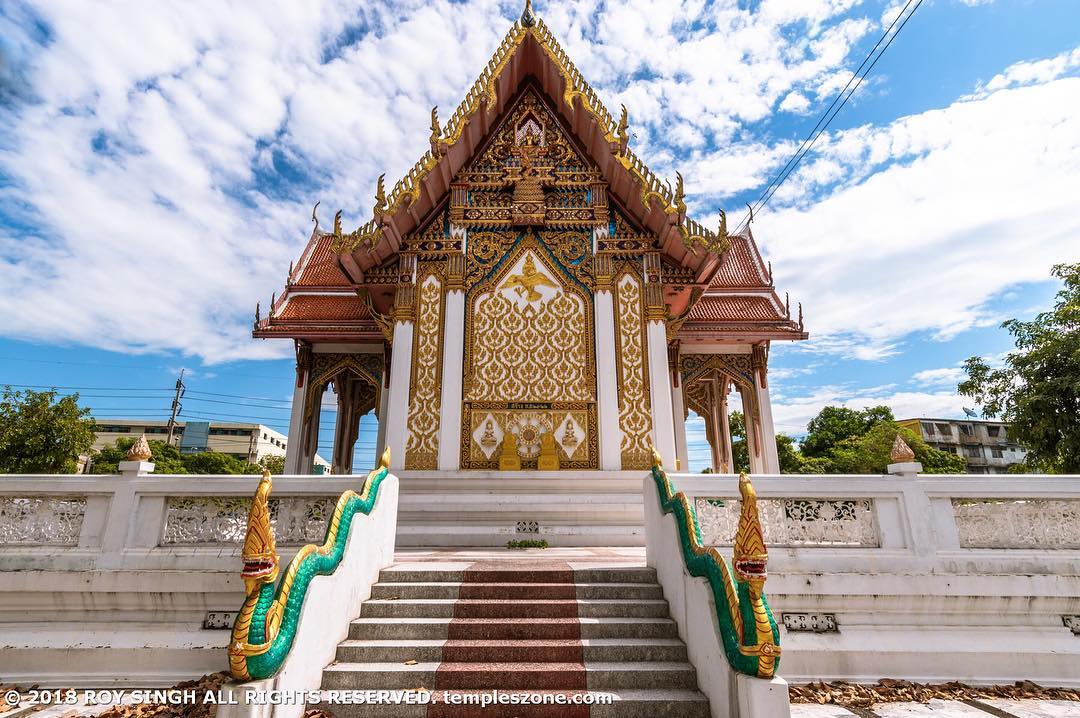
(518, 626)
(488, 508)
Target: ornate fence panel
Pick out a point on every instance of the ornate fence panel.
(793, 521)
(1018, 523)
(41, 520)
(203, 520)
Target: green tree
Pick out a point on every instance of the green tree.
(274, 463)
(1037, 391)
(834, 424)
(166, 457)
(791, 459)
(40, 434)
(168, 460)
(869, 452)
(740, 455)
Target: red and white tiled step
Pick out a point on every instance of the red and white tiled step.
(524, 625)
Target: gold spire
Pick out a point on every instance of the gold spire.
(901, 453)
(528, 18)
(140, 450)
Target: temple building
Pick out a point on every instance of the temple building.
(530, 296)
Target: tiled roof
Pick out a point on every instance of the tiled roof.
(344, 307)
(741, 265)
(734, 308)
(319, 268)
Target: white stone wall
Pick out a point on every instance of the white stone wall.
(108, 580)
(926, 577)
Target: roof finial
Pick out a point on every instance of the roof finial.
(255, 324)
(901, 452)
(380, 194)
(722, 231)
(787, 304)
(622, 132)
(528, 19)
(314, 217)
(770, 276)
(751, 214)
(800, 317)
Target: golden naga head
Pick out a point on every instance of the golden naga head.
(750, 555)
(259, 553)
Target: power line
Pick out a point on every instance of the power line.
(826, 119)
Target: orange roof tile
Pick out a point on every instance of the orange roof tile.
(344, 307)
(319, 268)
(734, 308)
(741, 265)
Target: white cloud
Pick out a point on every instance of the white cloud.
(944, 376)
(917, 224)
(161, 181)
(1029, 73)
(792, 414)
(794, 102)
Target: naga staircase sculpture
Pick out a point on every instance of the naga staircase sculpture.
(750, 637)
(266, 626)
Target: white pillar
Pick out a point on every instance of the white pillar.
(660, 392)
(679, 415)
(380, 434)
(725, 433)
(452, 369)
(607, 397)
(397, 405)
(294, 450)
(771, 459)
(752, 422)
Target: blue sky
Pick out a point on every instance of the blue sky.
(158, 162)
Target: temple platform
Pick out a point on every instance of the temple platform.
(489, 508)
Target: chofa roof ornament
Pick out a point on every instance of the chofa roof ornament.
(528, 18)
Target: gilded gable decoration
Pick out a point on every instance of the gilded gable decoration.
(529, 174)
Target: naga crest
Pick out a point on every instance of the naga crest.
(750, 555)
(259, 553)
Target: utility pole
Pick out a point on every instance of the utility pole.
(175, 406)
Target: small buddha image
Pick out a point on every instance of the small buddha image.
(569, 438)
(488, 440)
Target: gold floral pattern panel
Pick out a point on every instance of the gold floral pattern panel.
(529, 363)
(425, 395)
(634, 417)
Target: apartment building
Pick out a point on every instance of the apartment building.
(984, 445)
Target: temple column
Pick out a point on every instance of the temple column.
(727, 457)
(659, 375)
(341, 425)
(607, 392)
(721, 438)
(397, 405)
(453, 365)
(760, 363)
(294, 448)
(752, 421)
(380, 413)
(678, 410)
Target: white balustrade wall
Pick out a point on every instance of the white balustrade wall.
(108, 580)
(928, 577)
(918, 576)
